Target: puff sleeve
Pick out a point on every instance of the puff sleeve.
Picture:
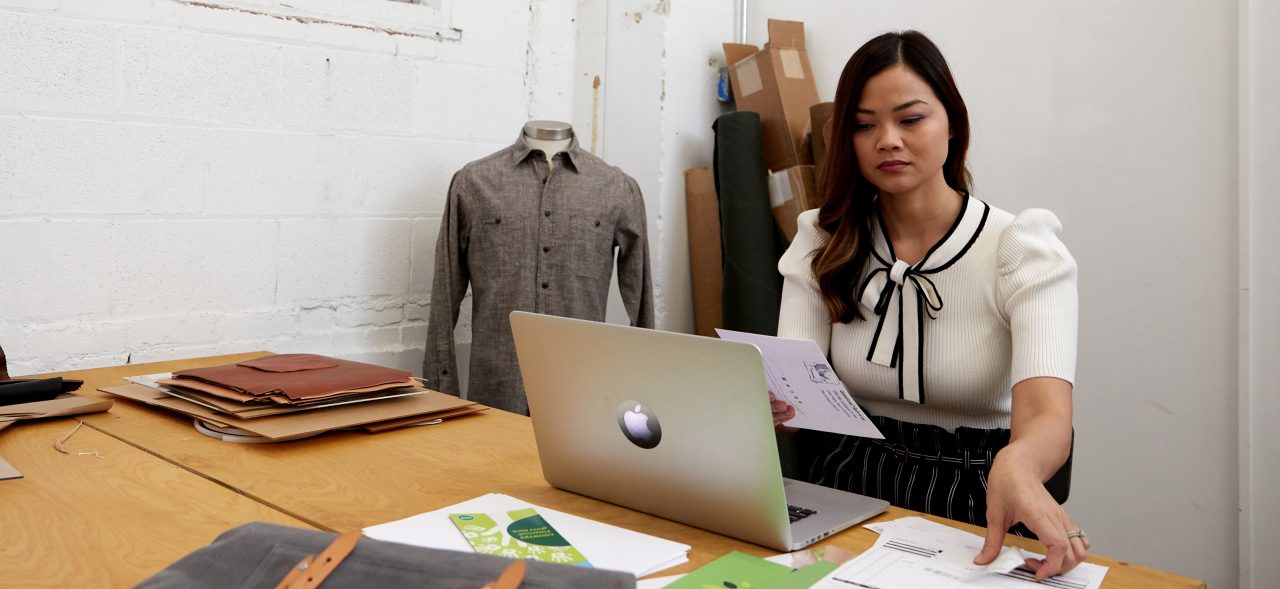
(802, 315)
(1037, 294)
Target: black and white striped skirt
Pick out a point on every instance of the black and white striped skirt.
(919, 467)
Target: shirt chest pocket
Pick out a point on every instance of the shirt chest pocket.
(497, 245)
(591, 236)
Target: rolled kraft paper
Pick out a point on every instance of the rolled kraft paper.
(749, 235)
(705, 254)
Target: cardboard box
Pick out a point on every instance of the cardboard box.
(776, 82)
(705, 256)
(792, 191)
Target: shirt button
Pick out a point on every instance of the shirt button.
(546, 213)
(597, 223)
(445, 371)
(546, 285)
(546, 248)
(497, 221)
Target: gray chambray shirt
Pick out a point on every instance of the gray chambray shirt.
(529, 240)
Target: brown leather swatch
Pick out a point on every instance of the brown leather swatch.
(328, 376)
(290, 363)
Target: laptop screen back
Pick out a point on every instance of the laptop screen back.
(670, 424)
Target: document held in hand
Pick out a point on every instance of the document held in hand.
(799, 374)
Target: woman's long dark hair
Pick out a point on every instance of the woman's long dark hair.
(848, 198)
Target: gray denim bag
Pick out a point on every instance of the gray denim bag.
(261, 555)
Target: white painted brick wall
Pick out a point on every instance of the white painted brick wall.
(180, 181)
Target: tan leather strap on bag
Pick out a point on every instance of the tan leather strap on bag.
(313, 570)
(509, 579)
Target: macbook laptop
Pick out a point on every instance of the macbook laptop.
(670, 424)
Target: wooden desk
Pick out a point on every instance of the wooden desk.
(348, 480)
(109, 519)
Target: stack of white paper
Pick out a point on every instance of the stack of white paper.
(916, 553)
(605, 546)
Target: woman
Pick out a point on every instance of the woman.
(951, 321)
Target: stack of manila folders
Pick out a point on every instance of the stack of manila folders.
(290, 396)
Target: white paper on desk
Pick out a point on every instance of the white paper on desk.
(799, 374)
(605, 546)
(149, 380)
(7, 471)
(913, 552)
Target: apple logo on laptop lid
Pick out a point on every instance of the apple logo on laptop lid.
(639, 424)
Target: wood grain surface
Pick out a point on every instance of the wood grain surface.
(348, 480)
(106, 514)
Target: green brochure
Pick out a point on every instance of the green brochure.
(735, 570)
(517, 534)
(743, 571)
(803, 577)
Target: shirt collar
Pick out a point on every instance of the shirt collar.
(963, 232)
(573, 154)
(903, 295)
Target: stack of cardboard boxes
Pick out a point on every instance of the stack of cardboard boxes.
(777, 82)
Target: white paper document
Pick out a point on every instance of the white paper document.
(799, 374)
(915, 553)
(605, 546)
(7, 471)
(149, 380)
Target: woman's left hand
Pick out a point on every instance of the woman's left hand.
(1013, 496)
(782, 413)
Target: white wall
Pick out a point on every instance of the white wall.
(693, 57)
(661, 67)
(1260, 281)
(629, 133)
(1121, 118)
(178, 180)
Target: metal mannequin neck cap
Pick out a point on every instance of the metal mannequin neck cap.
(548, 130)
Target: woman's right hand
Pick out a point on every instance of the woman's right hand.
(782, 413)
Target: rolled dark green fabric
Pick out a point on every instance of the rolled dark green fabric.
(750, 237)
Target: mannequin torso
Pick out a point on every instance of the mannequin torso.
(549, 137)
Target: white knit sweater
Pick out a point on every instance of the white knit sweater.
(1009, 314)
